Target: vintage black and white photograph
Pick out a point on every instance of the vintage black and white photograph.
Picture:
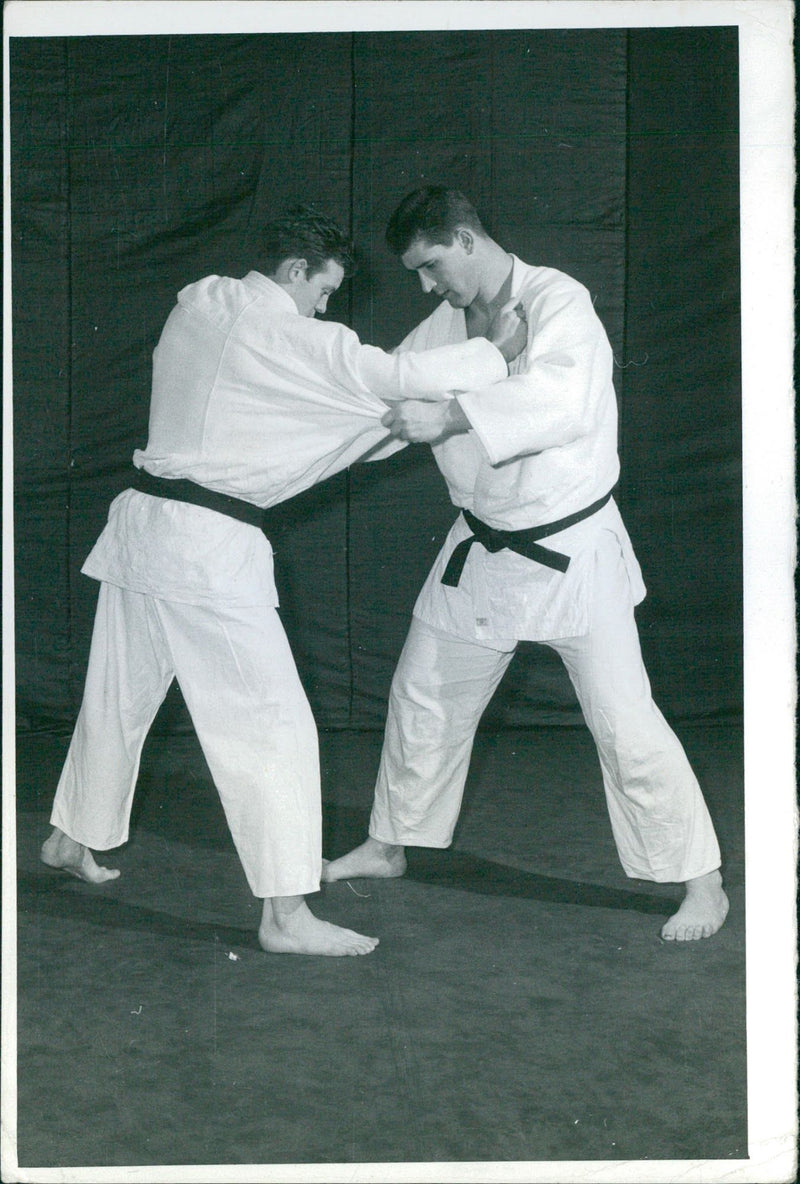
(398, 538)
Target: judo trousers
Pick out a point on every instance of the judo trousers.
(238, 678)
(442, 685)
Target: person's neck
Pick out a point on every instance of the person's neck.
(495, 285)
(494, 290)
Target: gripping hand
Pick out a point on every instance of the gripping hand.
(509, 330)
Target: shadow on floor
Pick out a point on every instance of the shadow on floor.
(345, 827)
(470, 873)
(53, 895)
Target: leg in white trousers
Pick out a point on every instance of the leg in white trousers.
(249, 710)
(441, 687)
(659, 818)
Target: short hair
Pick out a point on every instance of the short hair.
(434, 213)
(304, 233)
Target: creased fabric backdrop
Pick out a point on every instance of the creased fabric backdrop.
(140, 164)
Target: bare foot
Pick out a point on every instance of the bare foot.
(702, 913)
(291, 928)
(374, 860)
(63, 853)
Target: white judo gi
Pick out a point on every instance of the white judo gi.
(543, 446)
(252, 400)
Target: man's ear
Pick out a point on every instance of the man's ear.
(297, 269)
(290, 270)
(466, 239)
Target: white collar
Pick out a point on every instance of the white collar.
(275, 291)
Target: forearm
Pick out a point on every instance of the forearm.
(563, 384)
(431, 374)
(515, 418)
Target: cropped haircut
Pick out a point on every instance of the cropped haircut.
(434, 213)
(304, 233)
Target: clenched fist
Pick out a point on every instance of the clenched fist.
(509, 329)
(425, 423)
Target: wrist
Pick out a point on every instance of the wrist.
(456, 420)
(502, 348)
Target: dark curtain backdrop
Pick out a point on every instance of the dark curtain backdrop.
(139, 164)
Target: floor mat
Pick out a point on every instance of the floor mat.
(520, 1007)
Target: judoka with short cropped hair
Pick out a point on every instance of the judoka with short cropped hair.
(538, 552)
(253, 400)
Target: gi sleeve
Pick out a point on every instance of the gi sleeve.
(431, 374)
(554, 397)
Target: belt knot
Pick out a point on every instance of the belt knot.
(522, 542)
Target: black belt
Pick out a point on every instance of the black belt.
(523, 542)
(181, 490)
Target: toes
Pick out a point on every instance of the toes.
(686, 925)
(97, 875)
(689, 933)
(672, 932)
(365, 946)
(353, 950)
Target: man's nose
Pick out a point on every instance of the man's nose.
(321, 305)
(427, 283)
